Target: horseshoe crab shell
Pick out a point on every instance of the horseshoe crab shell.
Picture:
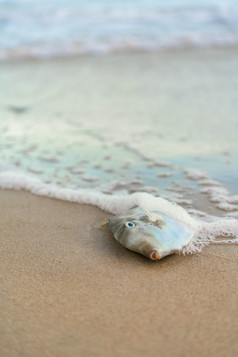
(153, 234)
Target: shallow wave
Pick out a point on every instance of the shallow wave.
(42, 29)
(76, 49)
(217, 231)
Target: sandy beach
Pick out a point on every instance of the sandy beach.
(104, 107)
(68, 289)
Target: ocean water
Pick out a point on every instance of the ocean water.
(104, 130)
(75, 124)
(31, 28)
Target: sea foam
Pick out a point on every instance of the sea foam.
(217, 231)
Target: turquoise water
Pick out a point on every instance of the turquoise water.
(120, 123)
(49, 28)
(84, 160)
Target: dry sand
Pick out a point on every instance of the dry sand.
(68, 289)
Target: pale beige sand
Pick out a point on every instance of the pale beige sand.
(69, 289)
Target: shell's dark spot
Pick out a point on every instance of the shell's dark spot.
(130, 224)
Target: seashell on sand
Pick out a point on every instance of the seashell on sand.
(153, 234)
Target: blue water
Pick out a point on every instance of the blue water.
(49, 28)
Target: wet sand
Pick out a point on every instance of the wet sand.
(68, 289)
(171, 104)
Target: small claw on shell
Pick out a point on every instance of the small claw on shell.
(154, 255)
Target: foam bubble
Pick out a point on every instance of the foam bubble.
(194, 174)
(220, 196)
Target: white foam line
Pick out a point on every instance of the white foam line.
(204, 232)
(19, 181)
